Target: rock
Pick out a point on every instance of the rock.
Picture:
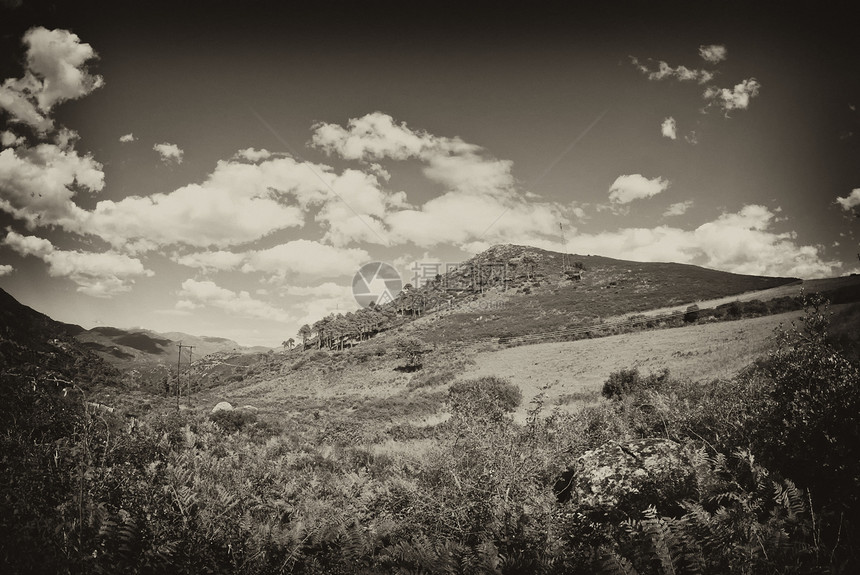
(622, 478)
(222, 406)
(250, 408)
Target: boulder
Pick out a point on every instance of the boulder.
(222, 406)
(622, 478)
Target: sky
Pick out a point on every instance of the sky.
(225, 169)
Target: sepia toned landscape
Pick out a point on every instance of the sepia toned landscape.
(359, 288)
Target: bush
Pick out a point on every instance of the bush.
(412, 350)
(692, 314)
(813, 432)
(233, 420)
(484, 398)
(628, 381)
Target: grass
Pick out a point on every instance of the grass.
(609, 288)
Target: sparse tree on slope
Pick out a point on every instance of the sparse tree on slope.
(304, 333)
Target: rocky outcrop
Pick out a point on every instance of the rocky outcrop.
(622, 478)
(222, 406)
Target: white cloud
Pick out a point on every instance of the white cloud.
(692, 137)
(126, 138)
(306, 258)
(373, 136)
(668, 128)
(303, 258)
(625, 189)
(97, 274)
(196, 294)
(451, 162)
(55, 71)
(6, 269)
(170, 153)
(737, 98)
(38, 184)
(253, 155)
(678, 209)
(713, 53)
(480, 203)
(237, 203)
(9, 139)
(741, 242)
(212, 261)
(850, 201)
(680, 73)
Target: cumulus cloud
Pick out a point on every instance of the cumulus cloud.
(196, 294)
(713, 53)
(126, 138)
(6, 269)
(170, 153)
(55, 71)
(303, 258)
(480, 202)
(253, 155)
(97, 274)
(668, 128)
(741, 242)
(680, 73)
(237, 203)
(211, 261)
(678, 209)
(625, 189)
(9, 139)
(306, 258)
(850, 201)
(737, 98)
(455, 164)
(38, 184)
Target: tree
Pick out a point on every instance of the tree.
(529, 263)
(288, 344)
(412, 350)
(304, 333)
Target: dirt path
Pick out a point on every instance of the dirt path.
(700, 352)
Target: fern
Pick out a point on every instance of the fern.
(615, 564)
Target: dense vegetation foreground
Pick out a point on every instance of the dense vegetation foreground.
(757, 474)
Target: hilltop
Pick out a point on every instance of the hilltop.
(512, 290)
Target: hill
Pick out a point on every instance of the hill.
(145, 357)
(512, 290)
(34, 347)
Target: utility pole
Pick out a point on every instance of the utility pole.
(178, 365)
(190, 355)
(564, 258)
(190, 349)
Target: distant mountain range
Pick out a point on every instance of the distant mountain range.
(126, 348)
(26, 335)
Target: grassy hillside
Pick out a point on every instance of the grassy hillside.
(539, 297)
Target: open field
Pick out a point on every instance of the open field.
(569, 373)
(577, 369)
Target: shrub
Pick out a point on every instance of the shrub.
(692, 314)
(233, 420)
(412, 349)
(484, 398)
(628, 381)
(813, 432)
